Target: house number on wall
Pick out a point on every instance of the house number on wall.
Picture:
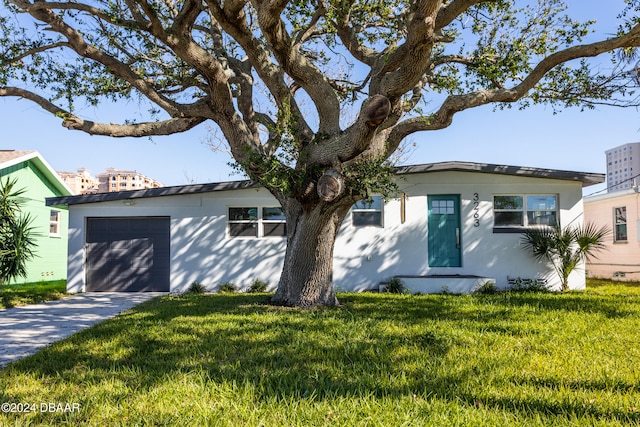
(476, 210)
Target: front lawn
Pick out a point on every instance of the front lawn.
(31, 293)
(509, 359)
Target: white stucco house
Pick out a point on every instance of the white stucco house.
(454, 225)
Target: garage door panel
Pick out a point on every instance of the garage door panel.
(94, 258)
(140, 263)
(119, 254)
(128, 254)
(138, 246)
(105, 276)
(101, 266)
(93, 247)
(122, 226)
(99, 230)
(120, 245)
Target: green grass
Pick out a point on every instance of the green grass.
(607, 286)
(510, 359)
(31, 293)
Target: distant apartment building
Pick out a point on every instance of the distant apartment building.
(623, 165)
(112, 180)
(80, 182)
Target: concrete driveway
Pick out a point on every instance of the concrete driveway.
(25, 330)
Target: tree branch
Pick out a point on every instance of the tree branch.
(186, 17)
(233, 20)
(164, 127)
(455, 8)
(296, 65)
(44, 103)
(349, 38)
(33, 51)
(82, 7)
(81, 47)
(244, 95)
(155, 23)
(456, 103)
(70, 121)
(404, 66)
(307, 32)
(139, 17)
(399, 71)
(354, 140)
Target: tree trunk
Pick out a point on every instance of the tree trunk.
(307, 274)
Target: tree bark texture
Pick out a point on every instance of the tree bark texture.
(307, 274)
(330, 185)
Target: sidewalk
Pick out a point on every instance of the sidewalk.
(25, 330)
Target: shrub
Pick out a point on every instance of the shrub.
(258, 286)
(528, 285)
(17, 233)
(488, 288)
(228, 288)
(196, 288)
(565, 247)
(396, 286)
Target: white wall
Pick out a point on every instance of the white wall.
(202, 251)
(365, 256)
(200, 248)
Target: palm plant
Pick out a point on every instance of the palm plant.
(565, 247)
(16, 233)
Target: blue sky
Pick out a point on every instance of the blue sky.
(571, 140)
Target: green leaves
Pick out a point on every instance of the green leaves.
(565, 247)
(16, 233)
(489, 45)
(371, 176)
(591, 239)
(510, 40)
(299, 67)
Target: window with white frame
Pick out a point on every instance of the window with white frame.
(256, 221)
(620, 223)
(54, 223)
(367, 212)
(522, 210)
(274, 223)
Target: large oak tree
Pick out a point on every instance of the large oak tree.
(280, 80)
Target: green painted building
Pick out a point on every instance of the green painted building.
(40, 181)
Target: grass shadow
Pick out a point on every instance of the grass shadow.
(375, 345)
(31, 293)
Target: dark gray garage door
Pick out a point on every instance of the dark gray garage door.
(128, 254)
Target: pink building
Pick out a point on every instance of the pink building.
(620, 211)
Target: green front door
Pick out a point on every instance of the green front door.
(444, 230)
